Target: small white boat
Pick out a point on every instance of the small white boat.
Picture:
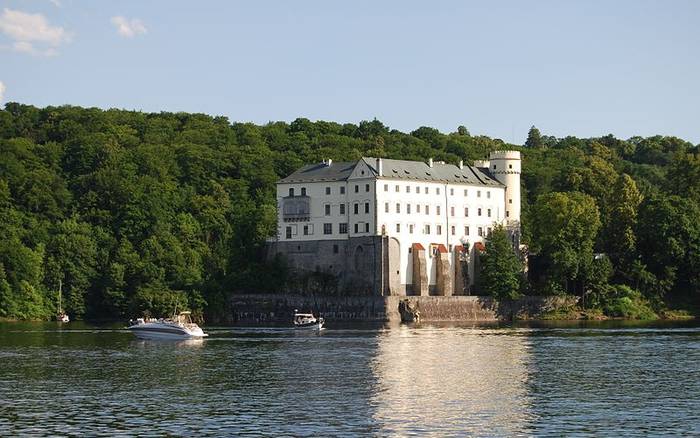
(307, 321)
(180, 326)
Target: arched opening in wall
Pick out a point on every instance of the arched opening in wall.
(359, 255)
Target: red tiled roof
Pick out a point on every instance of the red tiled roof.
(480, 246)
(418, 246)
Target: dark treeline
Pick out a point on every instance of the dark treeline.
(137, 212)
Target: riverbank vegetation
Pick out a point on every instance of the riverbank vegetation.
(136, 211)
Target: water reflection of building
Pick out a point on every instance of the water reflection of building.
(451, 381)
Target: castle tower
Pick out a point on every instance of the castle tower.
(505, 167)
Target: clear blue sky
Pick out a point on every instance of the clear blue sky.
(584, 68)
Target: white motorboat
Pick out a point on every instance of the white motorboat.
(180, 326)
(307, 321)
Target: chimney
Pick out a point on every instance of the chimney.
(379, 167)
(430, 162)
(461, 164)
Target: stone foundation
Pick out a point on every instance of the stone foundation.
(266, 309)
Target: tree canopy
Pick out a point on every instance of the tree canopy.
(132, 212)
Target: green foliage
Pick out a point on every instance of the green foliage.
(133, 211)
(501, 269)
(534, 139)
(564, 229)
(626, 302)
(619, 234)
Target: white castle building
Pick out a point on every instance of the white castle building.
(395, 227)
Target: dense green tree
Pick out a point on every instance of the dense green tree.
(668, 238)
(501, 270)
(620, 236)
(564, 230)
(534, 138)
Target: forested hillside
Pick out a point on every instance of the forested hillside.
(134, 211)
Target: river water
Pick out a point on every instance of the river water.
(546, 380)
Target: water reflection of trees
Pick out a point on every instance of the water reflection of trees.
(451, 380)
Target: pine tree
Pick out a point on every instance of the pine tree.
(534, 138)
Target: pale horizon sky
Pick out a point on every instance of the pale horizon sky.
(583, 68)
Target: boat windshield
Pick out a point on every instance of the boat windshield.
(184, 318)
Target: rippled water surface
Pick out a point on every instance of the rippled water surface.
(390, 381)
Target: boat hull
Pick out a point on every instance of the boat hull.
(312, 326)
(157, 331)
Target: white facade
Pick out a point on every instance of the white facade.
(427, 203)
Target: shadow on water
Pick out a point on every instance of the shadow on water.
(431, 379)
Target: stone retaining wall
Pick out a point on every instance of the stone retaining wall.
(260, 309)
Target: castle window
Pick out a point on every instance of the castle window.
(510, 166)
(494, 166)
(328, 190)
(306, 230)
(510, 201)
(357, 188)
(327, 209)
(488, 212)
(386, 207)
(408, 189)
(356, 208)
(478, 212)
(466, 231)
(426, 190)
(342, 190)
(356, 228)
(452, 192)
(438, 210)
(408, 208)
(397, 189)
(478, 193)
(367, 227)
(488, 194)
(327, 228)
(335, 249)
(410, 228)
(465, 192)
(398, 228)
(417, 208)
(480, 231)
(398, 207)
(303, 191)
(291, 191)
(386, 187)
(488, 231)
(437, 190)
(452, 211)
(366, 207)
(366, 187)
(426, 230)
(439, 229)
(466, 211)
(507, 213)
(288, 233)
(452, 230)
(342, 209)
(427, 209)
(343, 229)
